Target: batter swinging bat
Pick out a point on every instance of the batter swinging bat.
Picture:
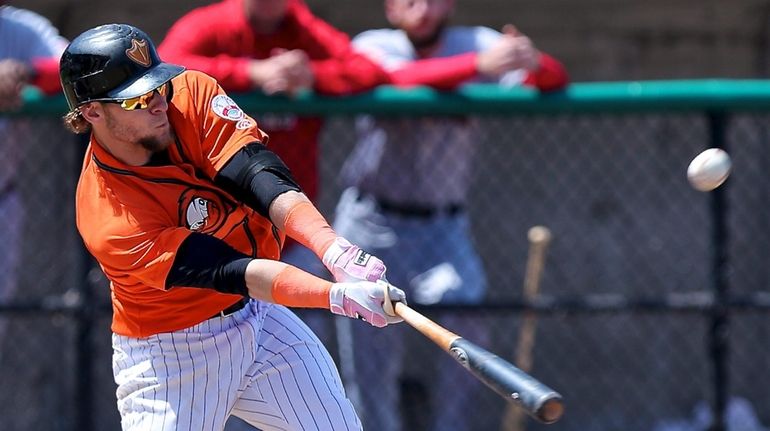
(537, 399)
(539, 237)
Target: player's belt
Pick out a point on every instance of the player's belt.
(418, 211)
(238, 306)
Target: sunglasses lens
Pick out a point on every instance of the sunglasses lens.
(143, 101)
(131, 104)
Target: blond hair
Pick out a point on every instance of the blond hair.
(75, 123)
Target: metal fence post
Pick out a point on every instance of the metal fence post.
(719, 328)
(84, 315)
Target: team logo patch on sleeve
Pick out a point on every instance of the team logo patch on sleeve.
(226, 108)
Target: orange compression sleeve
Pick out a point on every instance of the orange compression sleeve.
(308, 227)
(293, 287)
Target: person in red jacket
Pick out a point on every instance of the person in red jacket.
(279, 46)
(276, 46)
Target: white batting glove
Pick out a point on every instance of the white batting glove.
(347, 262)
(364, 300)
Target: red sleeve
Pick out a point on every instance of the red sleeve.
(444, 73)
(194, 43)
(338, 69)
(46, 75)
(550, 76)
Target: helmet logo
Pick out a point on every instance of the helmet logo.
(139, 53)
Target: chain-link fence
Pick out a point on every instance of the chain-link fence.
(652, 311)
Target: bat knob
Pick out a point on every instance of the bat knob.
(539, 234)
(387, 304)
(551, 410)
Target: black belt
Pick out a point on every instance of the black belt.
(238, 306)
(418, 211)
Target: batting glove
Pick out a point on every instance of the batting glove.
(364, 300)
(347, 262)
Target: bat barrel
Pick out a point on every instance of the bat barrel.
(513, 384)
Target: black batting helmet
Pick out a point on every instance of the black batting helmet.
(112, 62)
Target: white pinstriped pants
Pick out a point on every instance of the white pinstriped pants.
(261, 364)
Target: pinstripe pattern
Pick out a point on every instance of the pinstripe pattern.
(261, 364)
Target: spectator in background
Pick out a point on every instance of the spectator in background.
(277, 47)
(30, 47)
(408, 182)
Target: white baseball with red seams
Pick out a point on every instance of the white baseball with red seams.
(709, 169)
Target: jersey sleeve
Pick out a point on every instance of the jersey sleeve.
(219, 126)
(551, 75)
(136, 249)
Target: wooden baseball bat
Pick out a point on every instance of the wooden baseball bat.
(516, 386)
(539, 237)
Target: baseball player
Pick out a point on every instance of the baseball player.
(186, 210)
(408, 180)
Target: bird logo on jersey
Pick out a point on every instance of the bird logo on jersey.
(202, 210)
(139, 53)
(197, 213)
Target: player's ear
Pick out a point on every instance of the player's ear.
(92, 112)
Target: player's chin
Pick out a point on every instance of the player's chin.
(157, 142)
(163, 132)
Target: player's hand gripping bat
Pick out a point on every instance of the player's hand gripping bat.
(516, 386)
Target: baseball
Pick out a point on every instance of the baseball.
(709, 169)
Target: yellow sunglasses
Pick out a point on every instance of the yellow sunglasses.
(143, 101)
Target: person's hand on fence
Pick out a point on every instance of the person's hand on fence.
(513, 51)
(285, 72)
(14, 75)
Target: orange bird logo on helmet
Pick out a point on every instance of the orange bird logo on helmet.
(139, 52)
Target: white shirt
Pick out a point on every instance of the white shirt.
(427, 160)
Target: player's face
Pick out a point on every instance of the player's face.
(147, 128)
(422, 20)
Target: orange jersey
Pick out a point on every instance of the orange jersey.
(134, 218)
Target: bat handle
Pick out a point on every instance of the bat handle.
(439, 335)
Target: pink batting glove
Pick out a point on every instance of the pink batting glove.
(347, 262)
(364, 300)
